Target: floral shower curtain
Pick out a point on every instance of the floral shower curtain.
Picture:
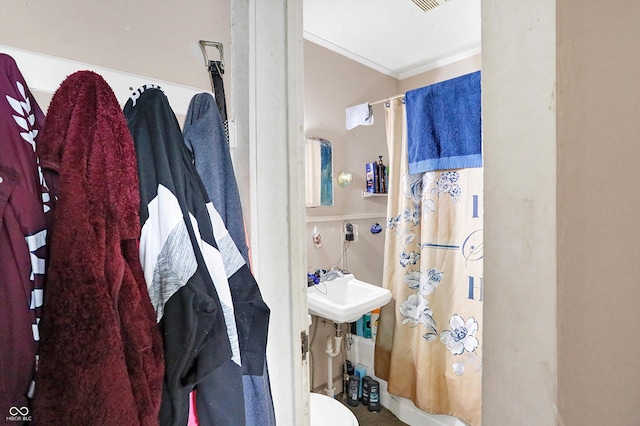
(429, 344)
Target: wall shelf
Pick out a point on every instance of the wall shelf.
(366, 194)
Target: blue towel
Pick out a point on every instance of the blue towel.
(444, 125)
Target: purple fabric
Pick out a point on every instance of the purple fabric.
(22, 241)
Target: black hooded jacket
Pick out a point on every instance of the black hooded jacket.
(176, 230)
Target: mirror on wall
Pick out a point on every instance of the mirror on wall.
(318, 172)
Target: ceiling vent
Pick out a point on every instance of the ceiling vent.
(427, 5)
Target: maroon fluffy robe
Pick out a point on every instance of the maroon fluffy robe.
(101, 352)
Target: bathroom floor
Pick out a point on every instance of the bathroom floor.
(367, 418)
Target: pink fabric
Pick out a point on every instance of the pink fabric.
(193, 418)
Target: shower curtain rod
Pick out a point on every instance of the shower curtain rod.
(386, 99)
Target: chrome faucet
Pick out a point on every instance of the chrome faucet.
(331, 275)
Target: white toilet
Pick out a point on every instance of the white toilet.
(327, 411)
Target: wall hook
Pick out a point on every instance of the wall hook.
(203, 46)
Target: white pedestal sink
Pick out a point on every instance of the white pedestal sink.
(345, 299)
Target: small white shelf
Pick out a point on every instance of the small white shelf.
(366, 194)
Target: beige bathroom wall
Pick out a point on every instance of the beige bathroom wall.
(158, 39)
(560, 99)
(333, 83)
(598, 268)
(519, 143)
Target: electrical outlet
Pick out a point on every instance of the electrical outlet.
(350, 232)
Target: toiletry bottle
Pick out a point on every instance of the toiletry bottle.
(380, 168)
(371, 177)
(374, 396)
(360, 371)
(386, 179)
(347, 370)
(365, 390)
(366, 319)
(360, 326)
(352, 398)
(375, 318)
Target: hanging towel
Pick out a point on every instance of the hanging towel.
(101, 351)
(444, 129)
(186, 268)
(23, 236)
(359, 115)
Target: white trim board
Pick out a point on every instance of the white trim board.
(340, 218)
(32, 64)
(402, 74)
(438, 62)
(348, 54)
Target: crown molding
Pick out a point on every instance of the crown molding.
(439, 62)
(398, 75)
(348, 54)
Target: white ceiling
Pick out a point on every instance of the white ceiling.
(395, 37)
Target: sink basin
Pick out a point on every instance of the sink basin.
(345, 299)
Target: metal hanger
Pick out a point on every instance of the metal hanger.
(207, 62)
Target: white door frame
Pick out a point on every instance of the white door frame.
(268, 108)
(268, 96)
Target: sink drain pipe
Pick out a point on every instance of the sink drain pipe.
(332, 350)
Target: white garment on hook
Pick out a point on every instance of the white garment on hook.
(359, 115)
